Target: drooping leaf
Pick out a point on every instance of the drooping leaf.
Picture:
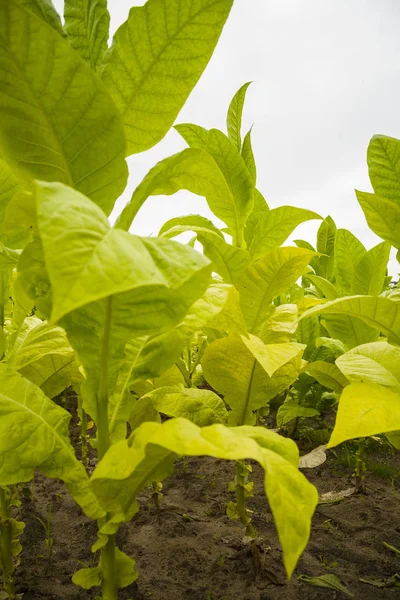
(54, 125)
(379, 313)
(324, 286)
(201, 407)
(349, 251)
(234, 116)
(327, 581)
(272, 356)
(266, 278)
(274, 227)
(87, 23)
(349, 330)
(34, 435)
(232, 370)
(280, 325)
(131, 465)
(192, 169)
(383, 159)
(290, 410)
(370, 272)
(383, 216)
(228, 261)
(194, 135)
(156, 59)
(375, 363)
(328, 375)
(365, 410)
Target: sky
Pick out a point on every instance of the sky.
(326, 77)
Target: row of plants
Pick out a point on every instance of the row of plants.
(172, 352)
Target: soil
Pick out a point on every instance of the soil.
(189, 550)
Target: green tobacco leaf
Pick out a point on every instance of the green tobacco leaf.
(351, 331)
(327, 581)
(156, 59)
(88, 577)
(365, 410)
(201, 407)
(143, 411)
(228, 261)
(326, 245)
(328, 375)
(325, 287)
(192, 169)
(231, 369)
(274, 227)
(8, 187)
(376, 363)
(45, 10)
(383, 216)
(272, 356)
(87, 23)
(370, 273)
(379, 313)
(34, 434)
(267, 278)
(149, 357)
(383, 159)
(290, 410)
(234, 116)
(132, 464)
(87, 261)
(280, 327)
(54, 373)
(194, 135)
(239, 203)
(34, 340)
(249, 160)
(349, 251)
(54, 125)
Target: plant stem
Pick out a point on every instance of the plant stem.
(84, 445)
(241, 501)
(6, 545)
(360, 466)
(108, 564)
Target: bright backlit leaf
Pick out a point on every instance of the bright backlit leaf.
(383, 159)
(234, 116)
(87, 23)
(349, 251)
(383, 216)
(376, 363)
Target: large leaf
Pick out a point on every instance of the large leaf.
(192, 169)
(383, 216)
(87, 23)
(239, 203)
(376, 363)
(274, 227)
(281, 325)
(228, 261)
(364, 410)
(70, 131)
(324, 286)
(201, 407)
(272, 356)
(370, 272)
(234, 116)
(131, 465)
(349, 251)
(87, 261)
(8, 187)
(379, 313)
(156, 59)
(383, 158)
(249, 161)
(290, 410)
(267, 278)
(351, 331)
(231, 369)
(45, 10)
(34, 435)
(327, 374)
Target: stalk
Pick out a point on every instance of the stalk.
(6, 545)
(241, 500)
(360, 467)
(108, 563)
(84, 444)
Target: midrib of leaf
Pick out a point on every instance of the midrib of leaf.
(248, 395)
(158, 56)
(40, 108)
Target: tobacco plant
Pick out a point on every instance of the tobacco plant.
(111, 310)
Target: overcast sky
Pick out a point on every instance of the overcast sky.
(326, 78)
